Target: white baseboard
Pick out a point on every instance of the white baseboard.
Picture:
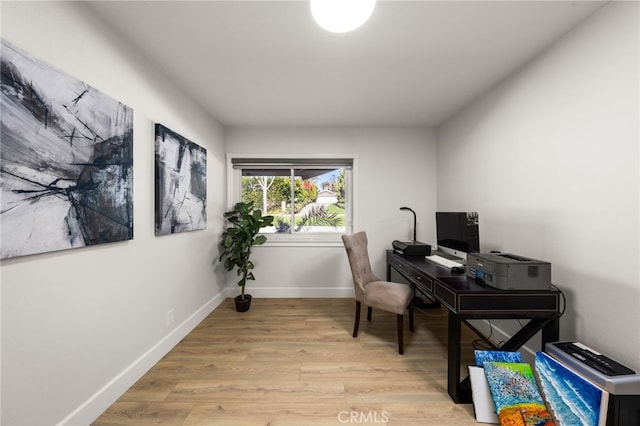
(91, 409)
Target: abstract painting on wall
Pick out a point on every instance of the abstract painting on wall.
(181, 183)
(66, 160)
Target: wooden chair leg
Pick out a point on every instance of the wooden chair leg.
(400, 335)
(411, 318)
(357, 321)
(369, 310)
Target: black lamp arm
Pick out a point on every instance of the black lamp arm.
(414, 220)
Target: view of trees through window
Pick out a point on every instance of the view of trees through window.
(300, 199)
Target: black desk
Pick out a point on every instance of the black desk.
(467, 299)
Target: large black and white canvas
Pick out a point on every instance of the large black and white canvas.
(65, 158)
(181, 183)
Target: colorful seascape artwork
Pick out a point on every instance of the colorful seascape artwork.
(496, 356)
(572, 399)
(515, 394)
(483, 406)
(66, 160)
(548, 394)
(181, 183)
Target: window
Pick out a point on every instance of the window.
(311, 198)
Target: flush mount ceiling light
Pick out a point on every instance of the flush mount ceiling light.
(341, 16)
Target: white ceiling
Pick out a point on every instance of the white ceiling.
(266, 63)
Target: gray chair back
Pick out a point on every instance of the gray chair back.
(358, 255)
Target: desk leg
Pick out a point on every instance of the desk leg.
(551, 332)
(453, 368)
(458, 393)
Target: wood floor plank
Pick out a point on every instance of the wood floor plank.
(280, 414)
(216, 370)
(151, 388)
(249, 390)
(294, 362)
(440, 413)
(140, 413)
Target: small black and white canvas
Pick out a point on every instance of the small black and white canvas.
(66, 160)
(181, 183)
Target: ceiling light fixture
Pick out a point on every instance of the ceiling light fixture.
(341, 16)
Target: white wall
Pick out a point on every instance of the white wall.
(396, 167)
(549, 158)
(80, 326)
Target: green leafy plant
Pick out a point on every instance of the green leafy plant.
(317, 215)
(240, 236)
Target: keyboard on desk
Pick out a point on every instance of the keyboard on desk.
(447, 263)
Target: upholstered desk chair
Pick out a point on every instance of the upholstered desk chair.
(374, 292)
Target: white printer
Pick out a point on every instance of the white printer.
(506, 271)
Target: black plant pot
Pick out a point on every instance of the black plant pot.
(243, 305)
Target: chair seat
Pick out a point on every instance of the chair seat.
(388, 296)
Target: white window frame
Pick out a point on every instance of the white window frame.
(234, 186)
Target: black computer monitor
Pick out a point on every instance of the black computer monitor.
(457, 233)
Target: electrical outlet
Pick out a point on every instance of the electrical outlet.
(170, 316)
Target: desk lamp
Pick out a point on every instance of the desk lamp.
(412, 248)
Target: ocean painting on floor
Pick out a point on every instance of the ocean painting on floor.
(516, 395)
(181, 183)
(66, 160)
(572, 399)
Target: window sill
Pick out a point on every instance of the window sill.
(334, 240)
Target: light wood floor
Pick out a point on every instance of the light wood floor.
(294, 362)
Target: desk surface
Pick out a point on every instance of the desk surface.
(469, 297)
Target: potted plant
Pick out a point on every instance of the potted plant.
(240, 236)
